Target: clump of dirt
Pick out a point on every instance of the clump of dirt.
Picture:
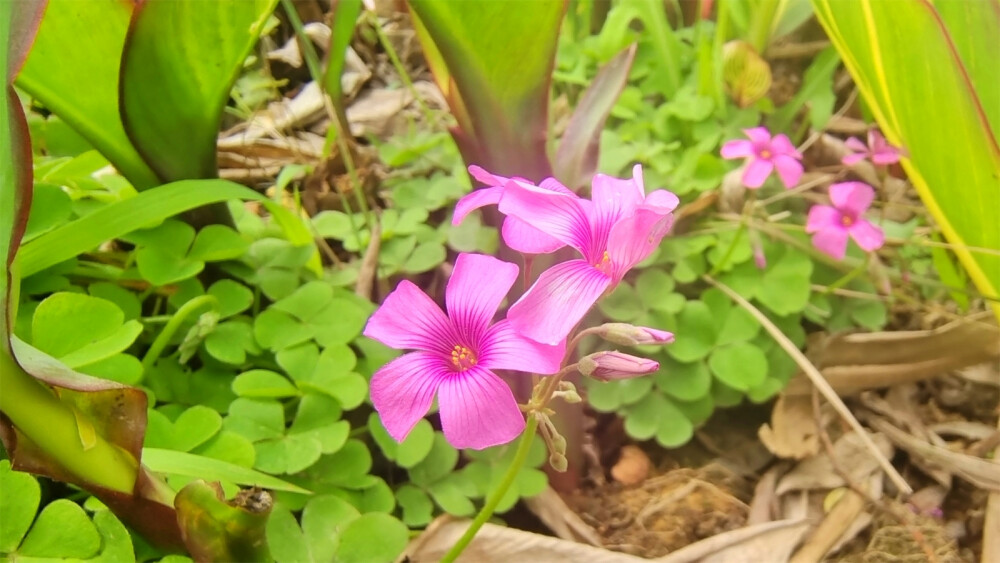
(667, 511)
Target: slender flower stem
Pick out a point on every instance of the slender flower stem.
(172, 326)
(491, 504)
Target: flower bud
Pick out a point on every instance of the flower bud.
(567, 391)
(625, 334)
(558, 462)
(606, 366)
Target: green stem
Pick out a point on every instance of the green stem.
(341, 129)
(171, 328)
(491, 504)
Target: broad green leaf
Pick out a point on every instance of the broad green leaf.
(19, 498)
(180, 463)
(78, 80)
(956, 57)
(62, 530)
(356, 545)
(497, 89)
(150, 207)
(675, 427)
(740, 366)
(180, 60)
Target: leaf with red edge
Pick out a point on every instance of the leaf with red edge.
(216, 530)
(576, 159)
(179, 63)
(494, 64)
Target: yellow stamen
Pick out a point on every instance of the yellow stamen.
(462, 358)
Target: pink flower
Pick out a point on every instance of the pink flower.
(878, 150)
(516, 233)
(765, 154)
(619, 228)
(616, 365)
(830, 226)
(455, 355)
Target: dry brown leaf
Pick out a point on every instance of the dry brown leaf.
(851, 456)
(763, 505)
(770, 542)
(852, 363)
(792, 433)
(980, 472)
(496, 544)
(552, 510)
(840, 518)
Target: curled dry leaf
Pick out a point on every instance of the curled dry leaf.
(497, 544)
(852, 457)
(792, 432)
(855, 362)
(552, 510)
(771, 541)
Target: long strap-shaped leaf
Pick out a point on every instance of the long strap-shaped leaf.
(180, 60)
(73, 71)
(143, 210)
(904, 58)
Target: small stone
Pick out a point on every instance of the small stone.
(633, 466)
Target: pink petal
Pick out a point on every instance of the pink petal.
(486, 177)
(478, 198)
(876, 140)
(477, 286)
(856, 145)
(408, 319)
(884, 156)
(557, 301)
(822, 217)
(526, 239)
(662, 198)
(852, 198)
(832, 241)
(853, 158)
(738, 148)
(613, 199)
(553, 185)
(505, 348)
(403, 390)
(634, 238)
(781, 145)
(478, 410)
(789, 170)
(868, 236)
(759, 135)
(564, 217)
(756, 172)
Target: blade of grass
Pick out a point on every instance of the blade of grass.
(209, 469)
(146, 209)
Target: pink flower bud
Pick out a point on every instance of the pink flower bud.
(630, 335)
(606, 366)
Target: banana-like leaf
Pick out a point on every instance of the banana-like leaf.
(73, 70)
(929, 73)
(179, 63)
(493, 62)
